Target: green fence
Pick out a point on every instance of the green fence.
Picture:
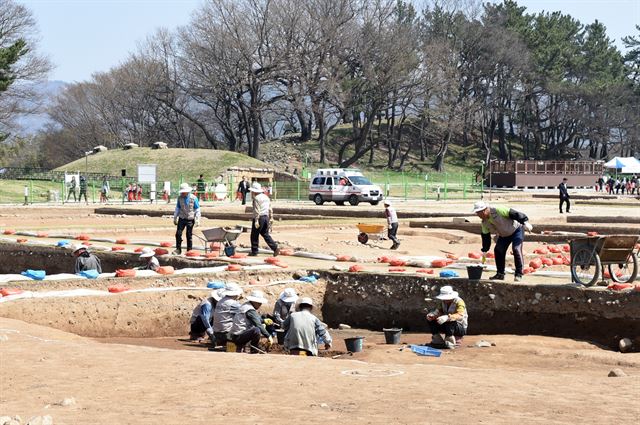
(435, 186)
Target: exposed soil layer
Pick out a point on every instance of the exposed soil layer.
(582, 228)
(610, 219)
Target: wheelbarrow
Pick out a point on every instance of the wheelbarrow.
(226, 236)
(590, 255)
(367, 230)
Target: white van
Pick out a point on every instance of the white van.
(340, 185)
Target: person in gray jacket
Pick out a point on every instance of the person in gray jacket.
(303, 330)
(85, 260)
(248, 326)
(224, 312)
(201, 319)
(284, 305)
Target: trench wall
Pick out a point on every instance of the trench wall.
(17, 258)
(380, 301)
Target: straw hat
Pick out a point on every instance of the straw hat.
(256, 187)
(232, 289)
(289, 295)
(447, 293)
(185, 188)
(147, 252)
(479, 206)
(257, 296)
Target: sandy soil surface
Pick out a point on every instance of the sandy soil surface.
(521, 380)
(146, 379)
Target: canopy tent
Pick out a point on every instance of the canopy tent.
(628, 165)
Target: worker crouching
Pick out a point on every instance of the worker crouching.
(248, 326)
(303, 330)
(202, 317)
(450, 319)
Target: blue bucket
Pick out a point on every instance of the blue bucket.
(423, 350)
(354, 345)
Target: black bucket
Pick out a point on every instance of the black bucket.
(354, 345)
(280, 335)
(392, 335)
(475, 272)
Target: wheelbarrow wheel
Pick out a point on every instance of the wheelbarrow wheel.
(363, 238)
(626, 272)
(585, 267)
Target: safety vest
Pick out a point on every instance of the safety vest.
(499, 225)
(187, 207)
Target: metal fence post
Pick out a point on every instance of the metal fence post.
(446, 185)
(31, 191)
(122, 189)
(298, 188)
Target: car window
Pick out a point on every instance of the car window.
(329, 181)
(318, 180)
(360, 180)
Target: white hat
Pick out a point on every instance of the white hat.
(386, 202)
(232, 289)
(78, 247)
(147, 252)
(256, 187)
(447, 293)
(289, 295)
(306, 300)
(257, 296)
(185, 188)
(217, 294)
(479, 206)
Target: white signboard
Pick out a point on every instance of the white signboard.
(146, 173)
(68, 177)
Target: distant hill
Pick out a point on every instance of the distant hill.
(31, 123)
(171, 163)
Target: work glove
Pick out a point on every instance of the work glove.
(269, 342)
(528, 226)
(327, 345)
(197, 223)
(442, 319)
(256, 224)
(484, 257)
(268, 322)
(175, 221)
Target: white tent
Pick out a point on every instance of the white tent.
(628, 165)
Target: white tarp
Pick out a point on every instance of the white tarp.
(626, 165)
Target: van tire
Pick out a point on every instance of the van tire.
(375, 202)
(318, 199)
(341, 203)
(353, 200)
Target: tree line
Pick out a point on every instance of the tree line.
(401, 79)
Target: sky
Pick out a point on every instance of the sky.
(86, 36)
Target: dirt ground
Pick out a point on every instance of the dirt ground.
(145, 379)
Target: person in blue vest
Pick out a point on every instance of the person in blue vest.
(509, 225)
(186, 216)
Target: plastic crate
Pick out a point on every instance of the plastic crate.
(423, 350)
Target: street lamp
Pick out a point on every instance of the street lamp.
(481, 180)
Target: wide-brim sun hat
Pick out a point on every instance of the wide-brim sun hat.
(479, 206)
(257, 296)
(146, 253)
(386, 202)
(256, 187)
(77, 248)
(217, 294)
(232, 289)
(447, 293)
(289, 295)
(306, 300)
(185, 188)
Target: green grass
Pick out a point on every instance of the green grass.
(172, 164)
(12, 191)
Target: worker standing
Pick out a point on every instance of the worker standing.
(564, 194)
(83, 189)
(509, 225)
(186, 216)
(262, 215)
(72, 189)
(200, 188)
(392, 221)
(303, 330)
(243, 189)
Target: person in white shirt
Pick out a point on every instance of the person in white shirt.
(150, 261)
(262, 215)
(392, 221)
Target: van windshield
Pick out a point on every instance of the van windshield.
(360, 180)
